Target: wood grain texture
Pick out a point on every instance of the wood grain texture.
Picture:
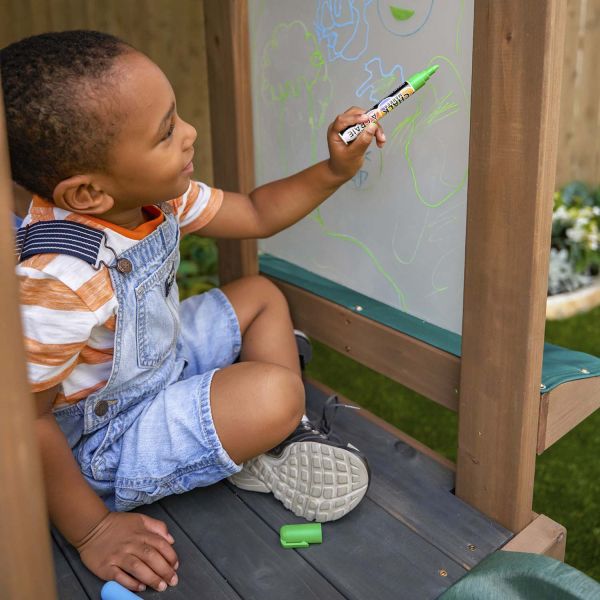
(228, 56)
(415, 489)
(26, 565)
(198, 578)
(514, 127)
(564, 408)
(541, 536)
(579, 143)
(243, 548)
(170, 33)
(415, 364)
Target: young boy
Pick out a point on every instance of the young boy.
(139, 397)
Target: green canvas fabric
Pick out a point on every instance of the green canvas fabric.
(560, 364)
(522, 576)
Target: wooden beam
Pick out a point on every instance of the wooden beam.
(541, 536)
(564, 408)
(517, 50)
(26, 566)
(228, 59)
(415, 364)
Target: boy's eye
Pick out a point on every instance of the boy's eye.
(170, 132)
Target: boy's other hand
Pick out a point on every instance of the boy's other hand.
(346, 160)
(131, 549)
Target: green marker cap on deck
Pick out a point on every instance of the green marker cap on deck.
(419, 79)
(300, 536)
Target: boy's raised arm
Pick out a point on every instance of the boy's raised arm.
(274, 206)
(133, 549)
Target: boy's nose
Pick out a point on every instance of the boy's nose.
(191, 134)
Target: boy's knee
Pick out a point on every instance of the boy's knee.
(285, 392)
(264, 288)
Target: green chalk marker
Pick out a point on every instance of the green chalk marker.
(399, 95)
(300, 536)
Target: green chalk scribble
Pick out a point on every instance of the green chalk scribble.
(401, 14)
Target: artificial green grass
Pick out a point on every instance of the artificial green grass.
(567, 483)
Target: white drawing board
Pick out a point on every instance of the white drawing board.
(396, 231)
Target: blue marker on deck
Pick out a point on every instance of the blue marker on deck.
(112, 590)
(383, 107)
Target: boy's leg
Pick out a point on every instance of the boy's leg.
(265, 322)
(254, 407)
(314, 476)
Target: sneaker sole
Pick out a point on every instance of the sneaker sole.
(314, 480)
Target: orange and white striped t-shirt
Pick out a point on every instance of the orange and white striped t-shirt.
(69, 309)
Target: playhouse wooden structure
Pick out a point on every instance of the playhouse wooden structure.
(425, 522)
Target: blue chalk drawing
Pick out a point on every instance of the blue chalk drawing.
(361, 177)
(379, 82)
(343, 26)
(411, 26)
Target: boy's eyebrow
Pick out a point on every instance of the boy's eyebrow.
(166, 118)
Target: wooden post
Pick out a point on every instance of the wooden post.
(517, 54)
(26, 564)
(228, 50)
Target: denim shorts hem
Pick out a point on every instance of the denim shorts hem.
(213, 464)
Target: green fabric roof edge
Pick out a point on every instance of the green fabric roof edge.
(522, 576)
(560, 364)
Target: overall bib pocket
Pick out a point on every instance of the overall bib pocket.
(157, 315)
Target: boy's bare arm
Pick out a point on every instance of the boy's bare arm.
(133, 549)
(73, 506)
(279, 204)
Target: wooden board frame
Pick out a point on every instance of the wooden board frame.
(564, 407)
(516, 79)
(26, 567)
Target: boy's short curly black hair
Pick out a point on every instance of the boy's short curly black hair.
(60, 116)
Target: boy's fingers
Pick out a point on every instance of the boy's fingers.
(350, 117)
(354, 110)
(164, 548)
(364, 139)
(158, 564)
(136, 567)
(127, 581)
(380, 137)
(158, 527)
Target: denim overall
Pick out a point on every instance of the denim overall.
(149, 432)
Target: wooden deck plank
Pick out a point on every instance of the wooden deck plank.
(197, 576)
(67, 584)
(414, 489)
(244, 549)
(368, 553)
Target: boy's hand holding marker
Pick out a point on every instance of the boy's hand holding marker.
(345, 160)
(351, 133)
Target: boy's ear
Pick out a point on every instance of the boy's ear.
(78, 194)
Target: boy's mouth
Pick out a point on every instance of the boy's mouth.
(188, 168)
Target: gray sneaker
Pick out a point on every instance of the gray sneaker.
(314, 475)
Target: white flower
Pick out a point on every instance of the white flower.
(576, 234)
(561, 214)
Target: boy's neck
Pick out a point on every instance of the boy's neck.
(129, 219)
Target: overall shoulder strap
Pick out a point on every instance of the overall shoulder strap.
(59, 237)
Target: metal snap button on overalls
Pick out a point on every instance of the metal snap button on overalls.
(124, 265)
(101, 408)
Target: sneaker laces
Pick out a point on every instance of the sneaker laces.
(322, 429)
(328, 416)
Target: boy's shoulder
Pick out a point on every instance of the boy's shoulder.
(62, 281)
